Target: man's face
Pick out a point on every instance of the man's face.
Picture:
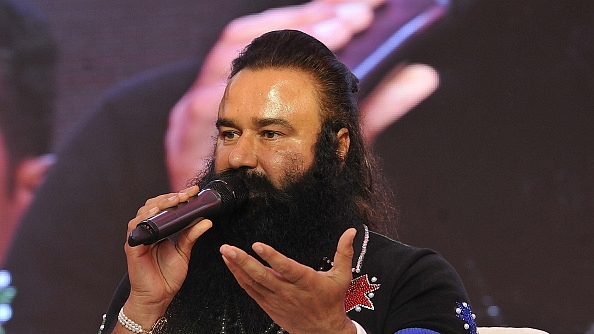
(268, 121)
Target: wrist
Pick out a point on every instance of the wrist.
(142, 312)
(144, 326)
(348, 326)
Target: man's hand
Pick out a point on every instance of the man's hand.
(400, 91)
(296, 297)
(158, 271)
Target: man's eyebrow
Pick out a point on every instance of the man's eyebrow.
(225, 122)
(272, 121)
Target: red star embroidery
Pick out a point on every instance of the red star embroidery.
(358, 293)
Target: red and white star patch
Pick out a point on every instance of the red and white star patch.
(359, 294)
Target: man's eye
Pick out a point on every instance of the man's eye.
(229, 135)
(269, 134)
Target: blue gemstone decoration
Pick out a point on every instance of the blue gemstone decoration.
(464, 312)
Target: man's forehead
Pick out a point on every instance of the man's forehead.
(271, 82)
(270, 96)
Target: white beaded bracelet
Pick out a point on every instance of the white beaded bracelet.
(133, 327)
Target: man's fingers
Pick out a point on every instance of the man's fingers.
(159, 203)
(374, 3)
(251, 287)
(332, 22)
(289, 269)
(143, 213)
(402, 89)
(251, 275)
(323, 20)
(168, 200)
(250, 26)
(187, 238)
(343, 258)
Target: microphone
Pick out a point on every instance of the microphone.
(218, 198)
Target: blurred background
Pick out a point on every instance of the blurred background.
(495, 170)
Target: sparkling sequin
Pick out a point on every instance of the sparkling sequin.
(464, 312)
(357, 268)
(102, 327)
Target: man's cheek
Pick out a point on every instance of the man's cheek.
(289, 168)
(221, 161)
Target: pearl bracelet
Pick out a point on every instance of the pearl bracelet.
(133, 327)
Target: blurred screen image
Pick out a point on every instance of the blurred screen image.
(480, 112)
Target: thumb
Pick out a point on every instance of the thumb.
(188, 237)
(343, 258)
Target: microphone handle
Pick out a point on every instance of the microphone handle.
(207, 204)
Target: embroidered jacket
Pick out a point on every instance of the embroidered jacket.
(396, 288)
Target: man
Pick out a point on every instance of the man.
(27, 61)
(147, 137)
(288, 127)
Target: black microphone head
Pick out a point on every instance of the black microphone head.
(233, 191)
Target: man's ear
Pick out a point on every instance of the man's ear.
(28, 177)
(344, 141)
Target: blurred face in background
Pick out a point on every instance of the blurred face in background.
(8, 214)
(17, 188)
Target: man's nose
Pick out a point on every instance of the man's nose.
(243, 154)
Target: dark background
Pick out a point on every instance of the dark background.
(495, 170)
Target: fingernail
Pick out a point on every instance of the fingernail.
(228, 252)
(258, 249)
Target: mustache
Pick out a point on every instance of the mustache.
(259, 185)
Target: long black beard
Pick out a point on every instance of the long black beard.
(296, 221)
